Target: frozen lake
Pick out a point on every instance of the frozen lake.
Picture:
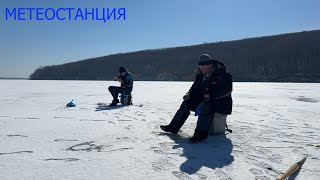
(274, 125)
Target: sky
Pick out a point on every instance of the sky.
(29, 44)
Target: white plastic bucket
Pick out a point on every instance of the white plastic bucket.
(218, 125)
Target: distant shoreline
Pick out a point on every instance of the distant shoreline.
(9, 78)
(160, 80)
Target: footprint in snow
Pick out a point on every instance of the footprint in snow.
(16, 135)
(62, 159)
(181, 175)
(17, 152)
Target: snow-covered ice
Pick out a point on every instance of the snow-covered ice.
(274, 125)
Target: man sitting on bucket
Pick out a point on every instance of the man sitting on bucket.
(126, 80)
(210, 92)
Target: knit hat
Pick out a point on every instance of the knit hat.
(122, 69)
(204, 59)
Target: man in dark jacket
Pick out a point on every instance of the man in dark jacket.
(126, 80)
(211, 91)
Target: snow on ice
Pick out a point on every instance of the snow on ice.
(274, 125)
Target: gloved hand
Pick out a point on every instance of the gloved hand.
(207, 97)
(186, 97)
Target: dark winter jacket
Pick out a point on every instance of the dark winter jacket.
(218, 86)
(127, 81)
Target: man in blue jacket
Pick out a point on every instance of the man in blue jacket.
(212, 91)
(126, 80)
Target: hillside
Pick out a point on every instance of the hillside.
(290, 57)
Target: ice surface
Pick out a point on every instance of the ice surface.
(274, 125)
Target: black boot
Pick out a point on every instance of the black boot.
(178, 120)
(114, 102)
(168, 128)
(198, 137)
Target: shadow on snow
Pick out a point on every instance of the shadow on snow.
(214, 152)
(105, 108)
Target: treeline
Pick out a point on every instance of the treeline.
(293, 57)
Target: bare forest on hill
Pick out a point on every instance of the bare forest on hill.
(293, 57)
